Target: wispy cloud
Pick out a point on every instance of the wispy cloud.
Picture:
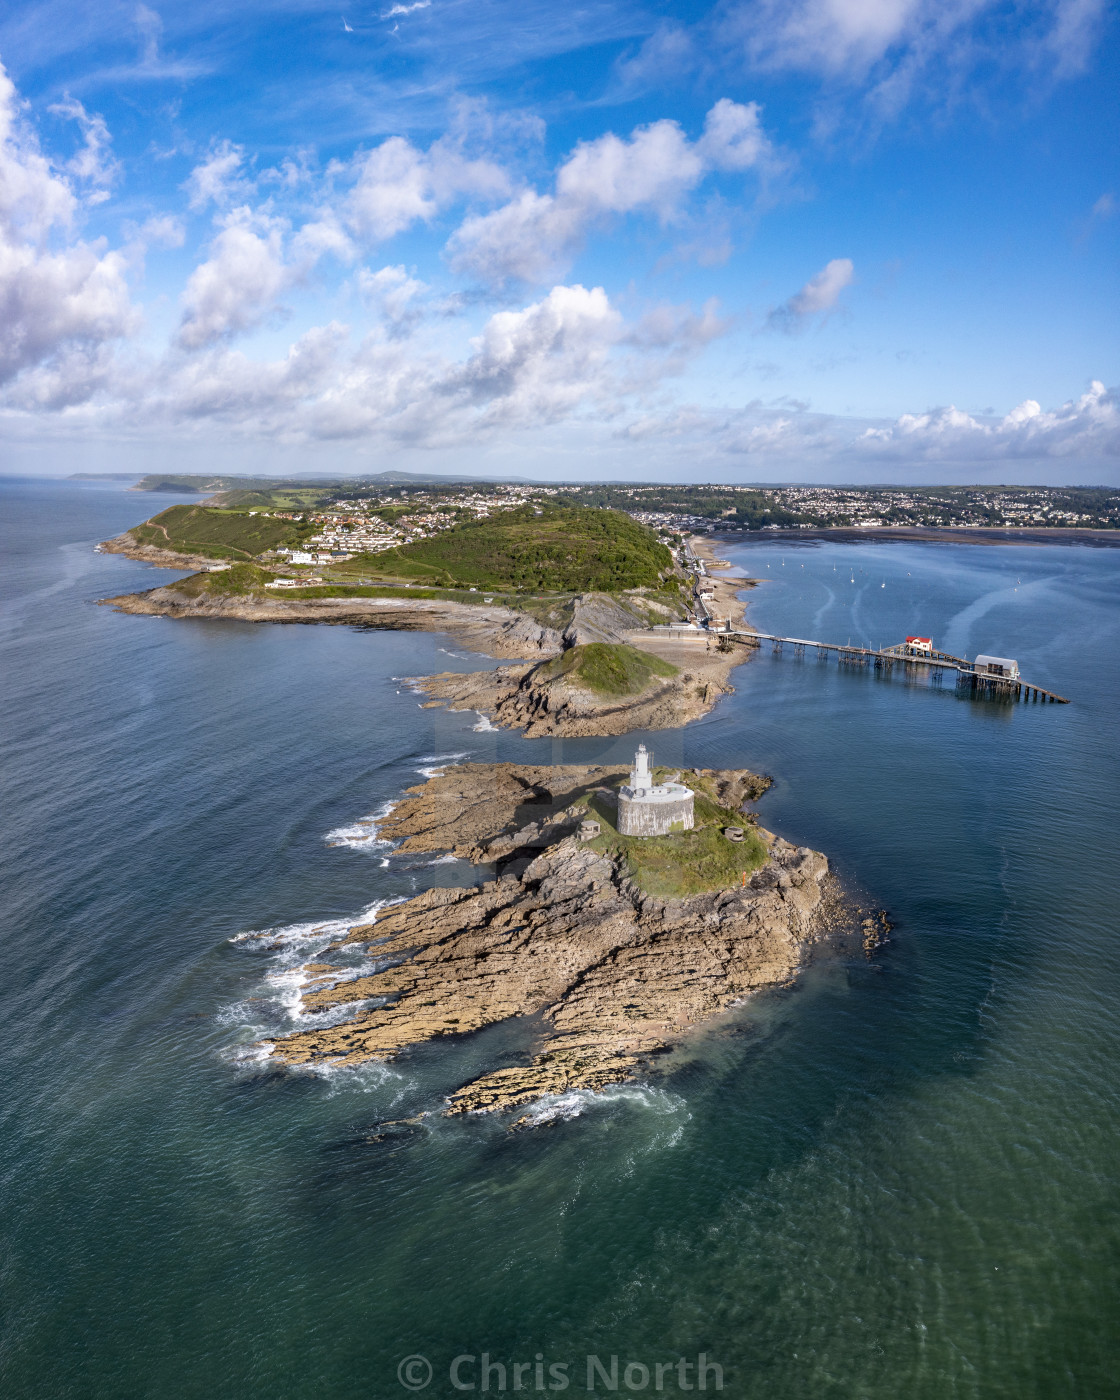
(816, 298)
(395, 11)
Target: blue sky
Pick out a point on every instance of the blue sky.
(848, 240)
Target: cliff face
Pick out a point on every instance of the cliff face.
(613, 974)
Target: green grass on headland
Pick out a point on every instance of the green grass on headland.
(685, 862)
(535, 549)
(607, 669)
(239, 580)
(245, 579)
(218, 534)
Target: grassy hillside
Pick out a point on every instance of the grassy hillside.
(549, 549)
(611, 670)
(556, 548)
(217, 534)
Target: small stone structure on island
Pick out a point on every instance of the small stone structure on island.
(646, 808)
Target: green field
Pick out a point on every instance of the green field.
(685, 862)
(244, 579)
(551, 548)
(218, 534)
(611, 670)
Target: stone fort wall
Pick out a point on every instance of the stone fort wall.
(637, 818)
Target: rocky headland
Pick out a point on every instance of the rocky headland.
(493, 630)
(615, 947)
(543, 699)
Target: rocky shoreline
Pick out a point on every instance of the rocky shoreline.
(494, 631)
(564, 934)
(531, 699)
(527, 698)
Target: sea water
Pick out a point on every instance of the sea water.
(896, 1177)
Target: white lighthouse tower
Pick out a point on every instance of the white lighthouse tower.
(647, 808)
(641, 779)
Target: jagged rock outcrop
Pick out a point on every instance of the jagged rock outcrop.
(529, 698)
(600, 617)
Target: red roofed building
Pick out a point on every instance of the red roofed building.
(920, 644)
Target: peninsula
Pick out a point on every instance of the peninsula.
(615, 946)
(575, 594)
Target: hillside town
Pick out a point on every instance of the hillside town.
(355, 523)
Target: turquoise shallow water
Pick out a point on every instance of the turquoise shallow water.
(896, 1178)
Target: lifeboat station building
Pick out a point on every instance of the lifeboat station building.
(1001, 666)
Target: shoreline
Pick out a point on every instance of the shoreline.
(885, 534)
(494, 630)
(605, 970)
(526, 698)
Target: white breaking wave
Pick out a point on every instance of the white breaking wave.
(433, 764)
(362, 835)
(484, 726)
(553, 1108)
(275, 1004)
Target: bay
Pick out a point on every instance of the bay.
(896, 1177)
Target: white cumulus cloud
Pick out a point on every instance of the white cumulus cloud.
(237, 286)
(538, 364)
(398, 185)
(392, 293)
(218, 179)
(1086, 426)
(62, 302)
(534, 236)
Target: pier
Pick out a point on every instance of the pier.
(883, 659)
(1000, 681)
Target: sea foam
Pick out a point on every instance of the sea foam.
(363, 834)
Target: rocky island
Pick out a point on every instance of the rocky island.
(615, 947)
